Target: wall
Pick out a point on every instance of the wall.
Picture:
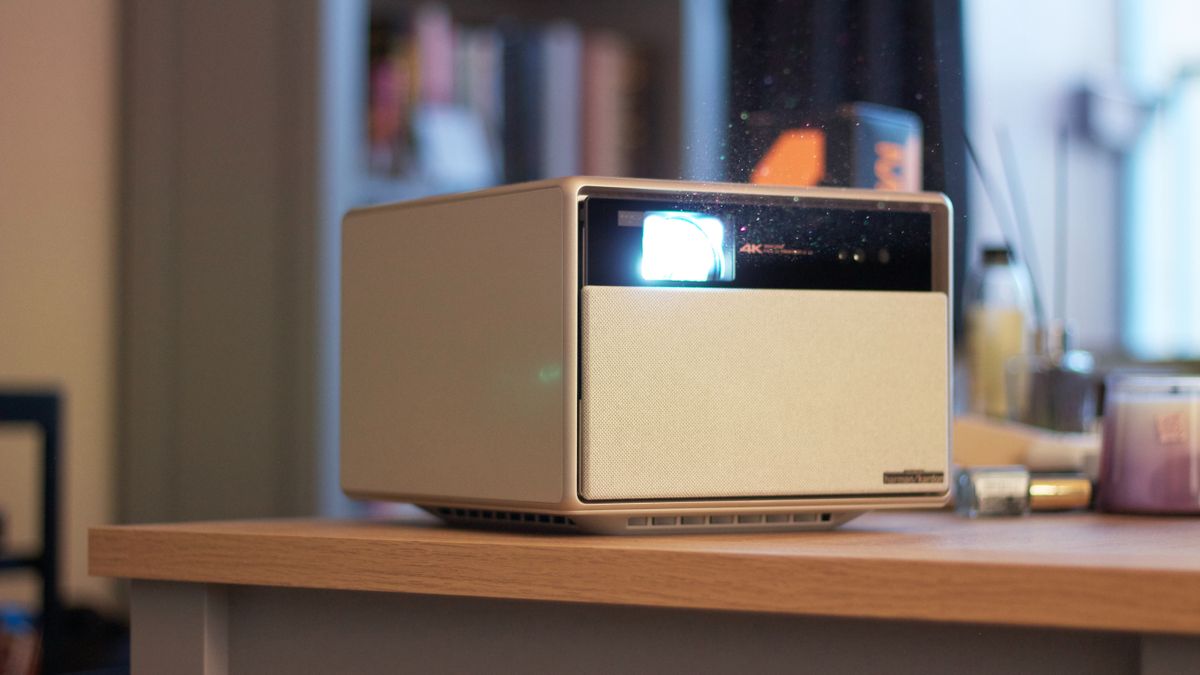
(58, 65)
(219, 204)
(1024, 57)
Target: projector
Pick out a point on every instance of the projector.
(635, 356)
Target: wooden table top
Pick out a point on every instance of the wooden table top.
(1083, 570)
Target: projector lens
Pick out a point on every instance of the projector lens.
(683, 246)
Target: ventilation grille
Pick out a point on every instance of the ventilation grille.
(522, 518)
(728, 520)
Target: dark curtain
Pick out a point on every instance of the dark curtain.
(795, 61)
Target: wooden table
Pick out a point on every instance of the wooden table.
(897, 593)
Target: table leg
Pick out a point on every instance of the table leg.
(1170, 654)
(179, 628)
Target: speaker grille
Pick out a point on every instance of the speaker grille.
(695, 393)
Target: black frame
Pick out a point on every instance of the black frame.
(818, 242)
(42, 409)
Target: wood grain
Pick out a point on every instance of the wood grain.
(1081, 571)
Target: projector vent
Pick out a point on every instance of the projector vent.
(512, 518)
(761, 520)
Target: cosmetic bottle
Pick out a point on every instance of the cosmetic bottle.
(1000, 325)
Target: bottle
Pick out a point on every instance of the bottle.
(1000, 325)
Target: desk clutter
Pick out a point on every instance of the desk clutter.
(1144, 458)
(1038, 404)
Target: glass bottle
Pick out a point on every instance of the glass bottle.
(1000, 325)
(1053, 388)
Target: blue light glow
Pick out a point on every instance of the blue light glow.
(683, 246)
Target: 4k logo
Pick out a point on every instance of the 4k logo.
(773, 249)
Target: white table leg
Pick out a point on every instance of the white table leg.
(179, 628)
(1170, 655)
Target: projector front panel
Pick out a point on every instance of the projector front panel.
(741, 346)
(691, 393)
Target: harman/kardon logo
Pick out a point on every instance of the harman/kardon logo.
(773, 249)
(913, 476)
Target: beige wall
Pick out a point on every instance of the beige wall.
(58, 87)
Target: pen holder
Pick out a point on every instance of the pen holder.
(1150, 462)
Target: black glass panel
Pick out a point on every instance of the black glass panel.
(774, 245)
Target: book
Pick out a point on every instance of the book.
(559, 93)
(434, 33)
(522, 104)
(607, 105)
(530, 100)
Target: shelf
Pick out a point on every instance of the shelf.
(381, 189)
(641, 77)
(31, 561)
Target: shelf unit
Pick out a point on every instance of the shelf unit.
(684, 45)
(675, 43)
(41, 409)
(243, 131)
(684, 42)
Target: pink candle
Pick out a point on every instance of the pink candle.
(1151, 457)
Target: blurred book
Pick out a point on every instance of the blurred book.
(435, 40)
(479, 80)
(561, 91)
(390, 91)
(608, 95)
(862, 145)
(874, 146)
(454, 106)
(522, 98)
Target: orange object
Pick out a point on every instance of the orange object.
(796, 158)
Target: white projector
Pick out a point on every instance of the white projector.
(628, 356)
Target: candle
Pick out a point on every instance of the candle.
(1151, 450)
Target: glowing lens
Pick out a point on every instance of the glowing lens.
(682, 246)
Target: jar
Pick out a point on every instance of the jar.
(1150, 462)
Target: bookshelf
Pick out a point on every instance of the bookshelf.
(42, 409)
(679, 50)
(476, 94)
(244, 130)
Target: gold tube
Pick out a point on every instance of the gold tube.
(1059, 493)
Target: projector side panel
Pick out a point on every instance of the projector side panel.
(453, 349)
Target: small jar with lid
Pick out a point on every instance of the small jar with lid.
(1150, 461)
